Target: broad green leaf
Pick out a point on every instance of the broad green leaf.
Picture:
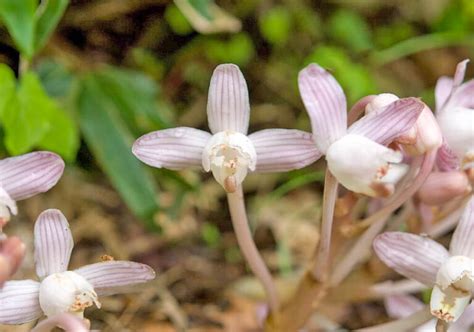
(56, 79)
(275, 25)
(19, 18)
(7, 87)
(110, 141)
(25, 119)
(350, 29)
(239, 49)
(202, 6)
(48, 15)
(62, 136)
(135, 95)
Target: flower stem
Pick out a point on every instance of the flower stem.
(320, 266)
(441, 326)
(66, 321)
(404, 324)
(248, 247)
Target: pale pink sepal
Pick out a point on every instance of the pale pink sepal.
(106, 276)
(282, 150)
(441, 187)
(401, 305)
(29, 174)
(385, 125)
(413, 256)
(53, 243)
(228, 106)
(462, 243)
(66, 321)
(326, 104)
(175, 148)
(446, 159)
(19, 302)
(443, 89)
(460, 73)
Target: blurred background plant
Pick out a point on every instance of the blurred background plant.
(84, 78)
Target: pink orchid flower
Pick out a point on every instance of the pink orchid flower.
(451, 274)
(228, 152)
(357, 156)
(24, 176)
(59, 289)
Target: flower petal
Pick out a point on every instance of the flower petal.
(460, 73)
(281, 150)
(228, 107)
(400, 305)
(446, 159)
(53, 243)
(174, 148)
(326, 105)
(443, 89)
(384, 126)
(464, 95)
(19, 302)
(462, 242)
(29, 174)
(411, 255)
(106, 276)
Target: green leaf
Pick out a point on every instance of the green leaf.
(135, 95)
(350, 29)
(275, 25)
(63, 134)
(19, 18)
(25, 120)
(178, 23)
(48, 15)
(239, 49)
(110, 141)
(7, 87)
(202, 7)
(57, 80)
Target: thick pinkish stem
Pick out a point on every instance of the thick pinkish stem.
(320, 267)
(66, 321)
(248, 247)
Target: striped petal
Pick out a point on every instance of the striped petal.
(443, 89)
(228, 107)
(175, 148)
(53, 243)
(281, 150)
(441, 187)
(12, 251)
(384, 126)
(411, 255)
(462, 243)
(107, 276)
(29, 174)
(326, 105)
(19, 302)
(446, 159)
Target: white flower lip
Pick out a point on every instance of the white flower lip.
(229, 155)
(66, 292)
(364, 166)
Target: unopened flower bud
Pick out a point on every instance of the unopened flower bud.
(66, 292)
(440, 187)
(229, 155)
